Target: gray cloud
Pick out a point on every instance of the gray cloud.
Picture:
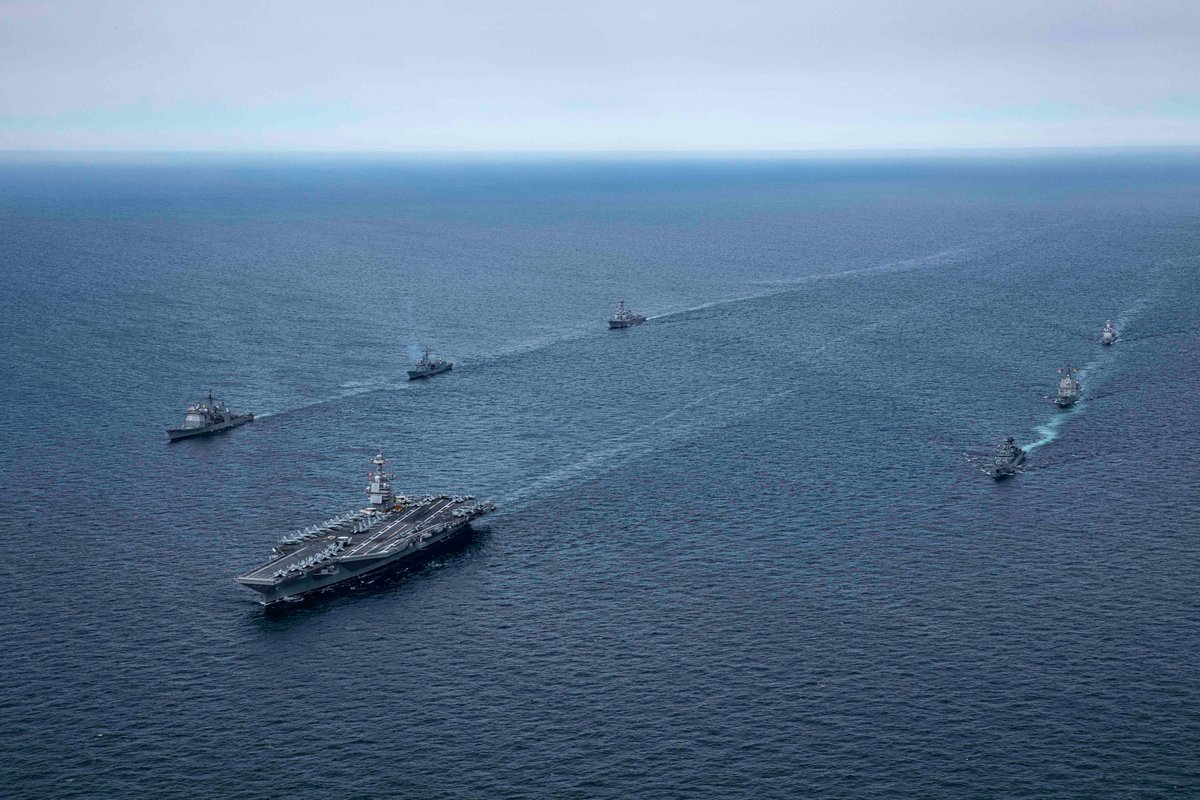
(611, 75)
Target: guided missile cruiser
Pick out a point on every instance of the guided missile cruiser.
(207, 416)
(390, 530)
(1008, 458)
(1068, 387)
(624, 318)
(428, 366)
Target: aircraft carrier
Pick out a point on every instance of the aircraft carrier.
(389, 531)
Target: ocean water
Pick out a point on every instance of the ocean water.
(741, 551)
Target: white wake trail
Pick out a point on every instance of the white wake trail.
(1051, 430)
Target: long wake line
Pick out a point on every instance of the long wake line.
(786, 287)
(626, 445)
(1051, 430)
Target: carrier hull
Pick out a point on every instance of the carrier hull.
(348, 573)
(362, 543)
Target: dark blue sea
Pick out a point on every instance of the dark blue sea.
(741, 551)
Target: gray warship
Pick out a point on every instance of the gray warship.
(427, 366)
(1068, 387)
(208, 416)
(1109, 335)
(624, 318)
(1008, 458)
(390, 530)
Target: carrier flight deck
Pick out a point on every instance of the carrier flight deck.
(390, 530)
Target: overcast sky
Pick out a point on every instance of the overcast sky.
(598, 75)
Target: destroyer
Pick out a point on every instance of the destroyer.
(1008, 458)
(208, 416)
(388, 531)
(427, 366)
(1109, 335)
(1068, 387)
(624, 318)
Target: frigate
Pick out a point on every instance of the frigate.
(207, 416)
(390, 530)
(1109, 335)
(1068, 387)
(428, 366)
(624, 318)
(1008, 458)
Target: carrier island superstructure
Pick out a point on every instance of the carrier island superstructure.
(390, 530)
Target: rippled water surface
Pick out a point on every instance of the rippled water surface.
(742, 551)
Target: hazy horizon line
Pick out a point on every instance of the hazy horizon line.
(56, 154)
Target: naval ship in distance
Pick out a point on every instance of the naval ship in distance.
(390, 530)
(1068, 387)
(624, 318)
(428, 366)
(1108, 336)
(207, 417)
(1008, 458)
